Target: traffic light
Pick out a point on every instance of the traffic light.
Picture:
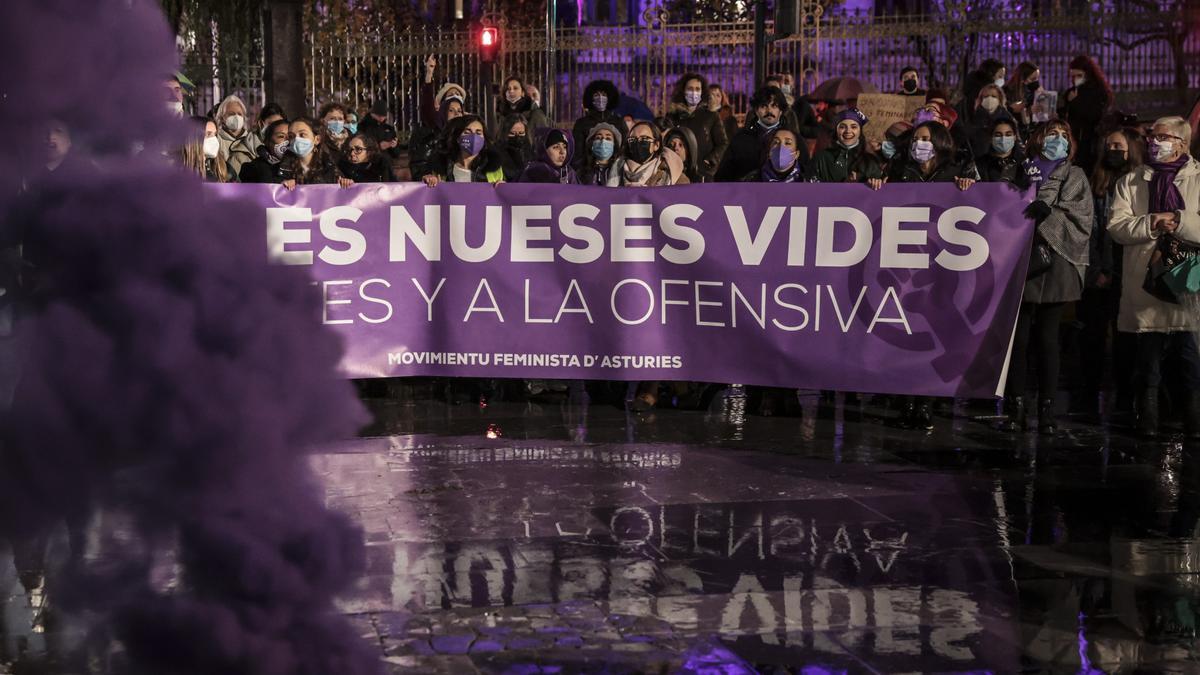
(489, 44)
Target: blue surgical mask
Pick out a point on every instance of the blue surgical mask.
(1055, 148)
(1003, 144)
(888, 149)
(603, 149)
(335, 127)
(352, 127)
(301, 147)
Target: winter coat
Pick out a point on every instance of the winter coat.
(526, 109)
(690, 168)
(377, 170)
(238, 150)
(836, 163)
(1103, 254)
(1011, 169)
(908, 171)
(668, 172)
(261, 170)
(1129, 224)
(709, 133)
(322, 170)
(978, 129)
(542, 170)
(594, 174)
(745, 152)
(1067, 230)
(1084, 114)
(423, 146)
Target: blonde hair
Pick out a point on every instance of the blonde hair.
(191, 156)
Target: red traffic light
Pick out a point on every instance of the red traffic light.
(489, 44)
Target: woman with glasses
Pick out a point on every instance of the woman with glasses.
(1151, 205)
(363, 162)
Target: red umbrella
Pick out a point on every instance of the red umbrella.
(841, 89)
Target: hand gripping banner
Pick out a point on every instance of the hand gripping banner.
(912, 289)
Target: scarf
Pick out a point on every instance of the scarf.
(792, 175)
(1164, 194)
(633, 173)
(1039, 168)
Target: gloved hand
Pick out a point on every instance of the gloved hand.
(1038, 210)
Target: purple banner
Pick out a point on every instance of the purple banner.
(913, 289)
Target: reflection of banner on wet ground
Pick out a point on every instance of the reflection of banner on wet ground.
(911, 289)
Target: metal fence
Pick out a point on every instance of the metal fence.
(1144, 50)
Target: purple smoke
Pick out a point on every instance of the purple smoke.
(169, 376)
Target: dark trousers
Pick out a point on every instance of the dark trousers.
(1153, 348)
(1097, 312)
(1037, 328)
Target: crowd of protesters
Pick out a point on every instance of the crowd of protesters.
(1108, 192)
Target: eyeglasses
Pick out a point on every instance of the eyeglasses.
(354, 150)
(1163, 138)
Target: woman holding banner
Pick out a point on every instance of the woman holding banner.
(309, 160)
(467, 157)
(847, 158)
(930, 159)
(1062, 214)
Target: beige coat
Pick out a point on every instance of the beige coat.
(1129, 225)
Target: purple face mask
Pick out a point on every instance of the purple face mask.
(472, 144)
(924, 116)
(782, 157)
(922, 151)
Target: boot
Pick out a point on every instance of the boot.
(1147, 413)
(1191, 417)
(923, 419)
(1046, 424)
(1014, 411)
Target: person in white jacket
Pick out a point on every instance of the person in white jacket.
(1158, 200)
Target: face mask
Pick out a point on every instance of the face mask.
(763, 126)
(999, 81)
(600, 102)
(175, 107)
(1031, 87)
(782, 157)
(692, 98)
(352, 127)
(924, 116)
(1003, 144)
(235, 123)
(639, 151)
(1078, 82)
(990, 103)
(1055, 148)
(212, 145)
(922, 151)
(1161, 152)
(335, 127)
(1114, 159)
(301, 147)
(786, 89)
(603, 149)
(512, 97)
(471, 144)
(518, 141)
(888, 149)
(279, 149)
(909, 85)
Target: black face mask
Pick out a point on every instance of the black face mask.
(639, 151)
(518, 141)
(1114, 159)
(909, 85)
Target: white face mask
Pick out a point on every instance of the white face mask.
(212, 145)
(1079, 81)
(990, 103)
(175, 108)
(999, 82)
(235, 122)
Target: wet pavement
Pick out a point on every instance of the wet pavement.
(570, 535)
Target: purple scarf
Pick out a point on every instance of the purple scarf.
(1039, 168)
(1164, 194)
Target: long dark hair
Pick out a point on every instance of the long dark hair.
(943, 143)
(1094, 77)
(324, 155)
(677, 95)
(454, 129)
(1015, 89)
(1103, 178)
